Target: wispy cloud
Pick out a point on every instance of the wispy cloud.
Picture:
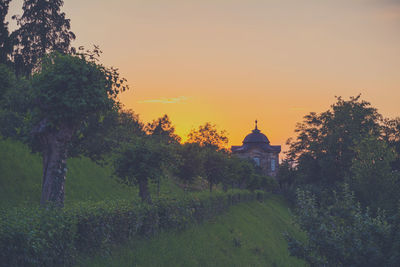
(297, 108)
(172, 100)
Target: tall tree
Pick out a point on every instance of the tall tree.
(43, 28)
(324, 146)
(66, 93)
(5, 42)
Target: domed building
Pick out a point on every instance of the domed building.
(256, 146)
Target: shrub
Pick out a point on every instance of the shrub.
(51, 237)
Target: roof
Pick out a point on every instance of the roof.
(256, 139)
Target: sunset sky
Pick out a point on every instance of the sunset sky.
(230, 62)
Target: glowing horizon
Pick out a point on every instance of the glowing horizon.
(231, 62)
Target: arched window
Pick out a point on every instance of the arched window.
(273, 164)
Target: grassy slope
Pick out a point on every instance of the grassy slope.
(21, 174)
(258, 227)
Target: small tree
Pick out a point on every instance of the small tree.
(192, 162)
(66, 92)
(163, 130)
(141, 161)
(215, 167)
(208, 136)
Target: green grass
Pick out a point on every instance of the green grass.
(21, 178)
(250, 234)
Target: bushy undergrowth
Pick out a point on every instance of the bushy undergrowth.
(50, 237)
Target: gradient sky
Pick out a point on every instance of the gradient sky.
(231, 62)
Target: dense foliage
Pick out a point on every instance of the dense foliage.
(343, 234)
(352, 143)
(353, 150)
(141, 161)
(52, 237)
(66, 92)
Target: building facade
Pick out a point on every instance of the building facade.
(256, 146)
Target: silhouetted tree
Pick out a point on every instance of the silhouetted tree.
(208, 136)
(163, 130)
(5, 41)
(43, 28)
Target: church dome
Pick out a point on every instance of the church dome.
(256, 137)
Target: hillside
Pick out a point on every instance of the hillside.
(250, 234)
(21, 174)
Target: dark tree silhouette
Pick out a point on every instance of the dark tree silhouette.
(43, 28)
(163, 130)
(5, 42)
(208, 136)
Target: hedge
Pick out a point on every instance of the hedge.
(53, 237)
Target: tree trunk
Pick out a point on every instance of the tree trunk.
(144, 191)
(54, 165)
(211, 185)
(225, 187)
(158, 186)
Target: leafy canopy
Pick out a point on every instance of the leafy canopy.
(43, 29)
(323, 148)
(207, 135)
(69, 88)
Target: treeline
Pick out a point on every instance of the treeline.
(62, 102)
(342, 171)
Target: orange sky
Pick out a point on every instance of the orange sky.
(231, 62)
